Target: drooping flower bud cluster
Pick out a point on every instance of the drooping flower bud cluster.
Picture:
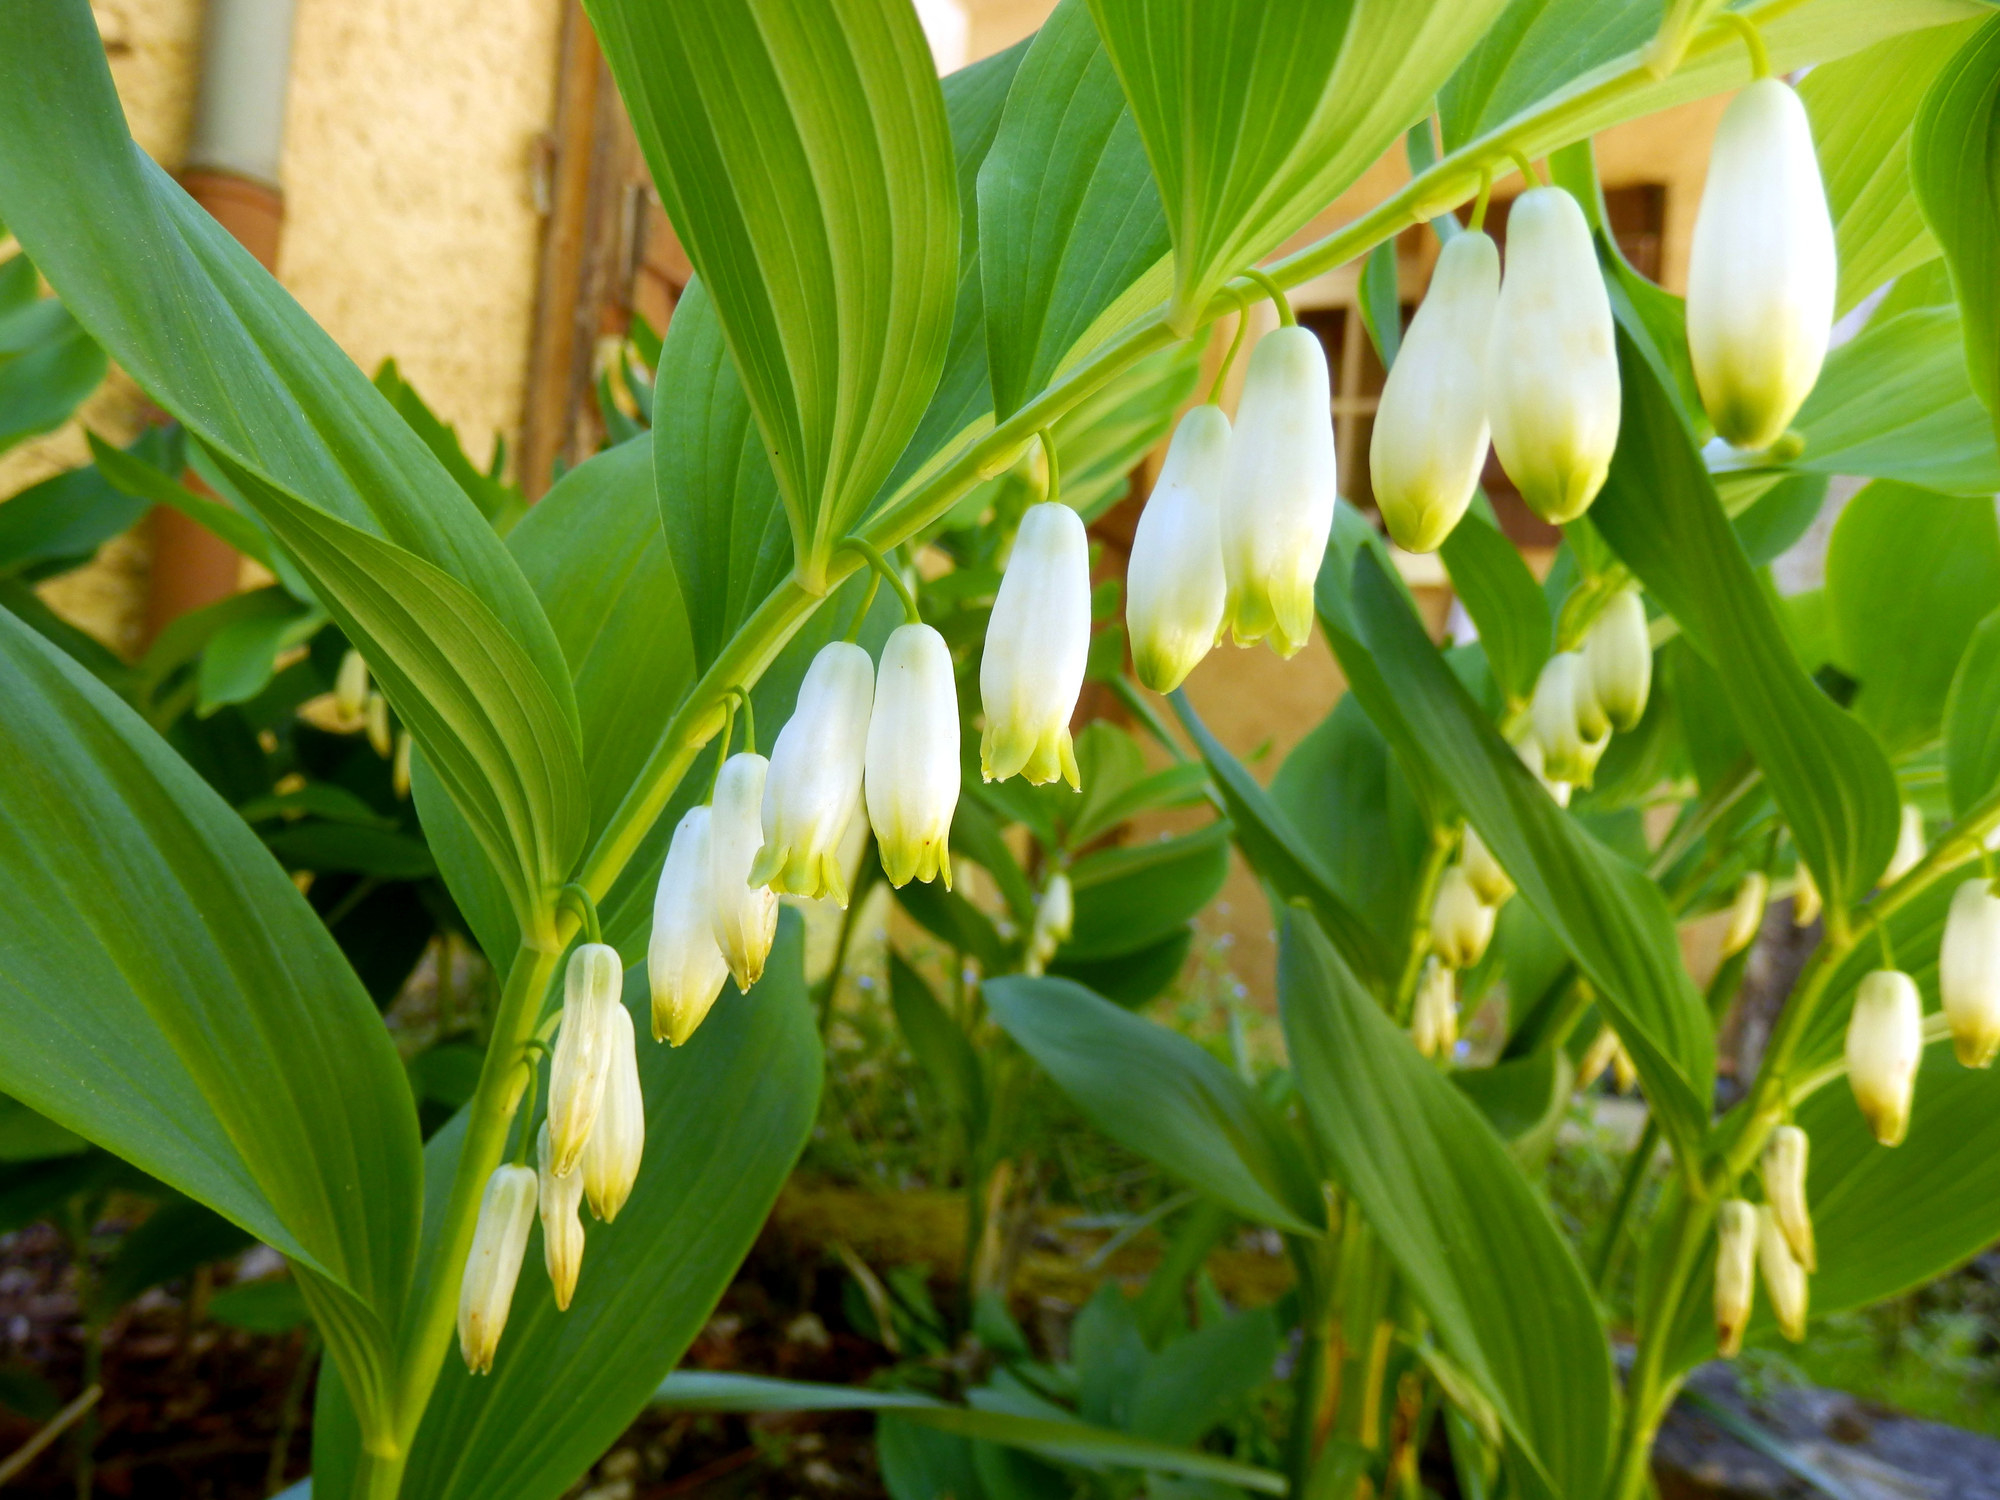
(1582, 695)
(1470, 893)
(1055, 918)
(1774, 1238)
(1434, 1012)
(588, 1149)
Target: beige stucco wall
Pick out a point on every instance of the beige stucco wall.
(411, 227)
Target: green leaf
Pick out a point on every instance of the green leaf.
(1131, 979)
(58, 524)
(593, 551)
(501, 503)
(1972, 719)
(1612, 919)
(1525, 1100)
(718, 497)
(1956, 174)
(1278, 853)
(1070, 224)
(136, 477)
(955, 922)
(804, 155)
(1544, 52)
(169, 995)
(1475, 1244)
(1137, 895)
(28, 1136)
(1506, 603)
(241, 658)
(351, 848)
(1195, 1382)
(270, 1306)
(1066, 1441)
(1157, 1093)
(1909, 576)
(394, 550)
(1659, 512)
(1257, 113)
(1862, 109)
(48, 365)
(726, 1116)
(1894, 403)
(940, 1046)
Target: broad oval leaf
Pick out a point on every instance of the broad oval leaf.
(1612, 919)
(168, 994)
(1069, 219)
(1952, 167)
(389, 541)
(1157, 1093)
(1909, 576)
(726, 1116)
(1659, 512)
(1257, 113)
(1474, 1242)
(804, 155)
(1972, 719)
(1139, 894)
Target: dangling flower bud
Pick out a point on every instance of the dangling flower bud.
(399, 768)
(814, 781)
(1461, 924)
(1785, 1186)
(1784, 1277)
(1735, 1273)
(1805, 897)
(1885, 1042)
(684, 966)
(350, 686)
(1761, 271)
(912, 779)
(1055, 915)
(745, 916)
(1624, 1072)
(1434, 1015)
(1597, 1057)
(611, 1158)
(1430, 430)
(499, 1239)
(375, 719)
(1619, 652)
(1282, 485)
(1551, 362)
(1037, 646)
(1746, 913)
(591, 986)
(1489, 882)
(1175, 584)
(1969, 973)
(1909, 846)
(1569, 726)
(562, 1230)
(1529, 749)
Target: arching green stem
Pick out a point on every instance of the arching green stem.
(742, 696)
(1235, 345)
(1485, 196)
(1753, 39)
(1277, 295)
(1526, 167)
(873, 555)
(578, 899)
(1054, 492)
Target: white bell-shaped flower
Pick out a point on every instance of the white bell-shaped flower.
(1490, 882)
(591, 987)
(350, 687)
(1746, 912)
(745, 916)
(1055, 916)
(499, 1240)
(1037, 646)
(1619, 652)
(1909, 846)
(1784, 1277)
(1552, 360)
(1430, 430)
(1761, 271)
(912, 776)
(1434, 1011)
(1785, 1157)
(814, 782)
(1569, 726)
(684, 965)
(610, 1162)
(1969, 972)
(1735, 1273)
(1278, 509)
(562, 1230)
(1461, 924)
(1885, 1043)
(1175, 584)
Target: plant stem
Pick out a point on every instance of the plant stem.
(490, 1114)
(1422, 895)
(1606, 1259)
